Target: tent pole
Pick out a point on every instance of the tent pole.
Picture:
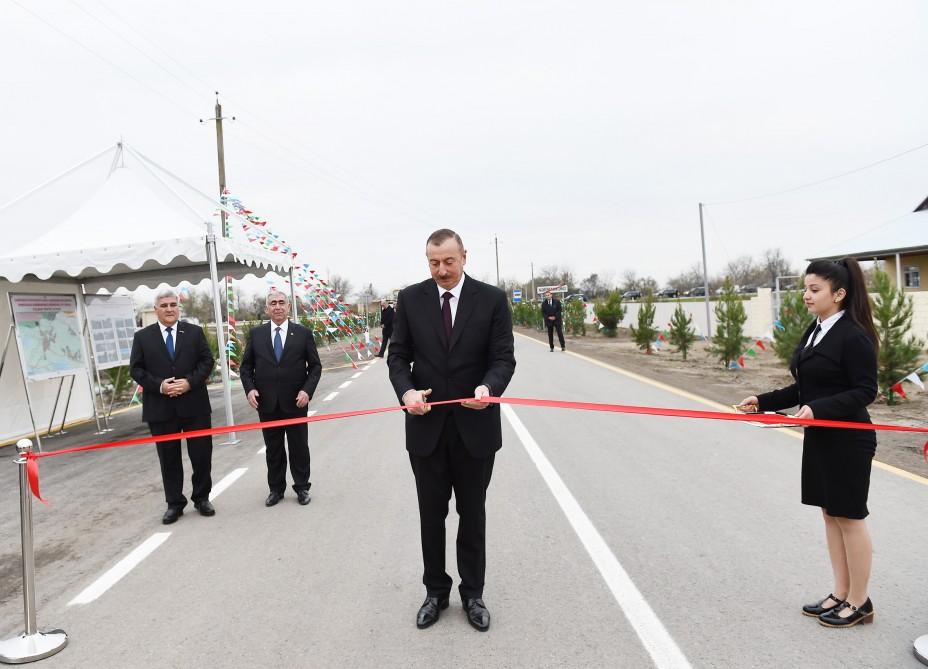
(213, 256)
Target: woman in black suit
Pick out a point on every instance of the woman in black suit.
(834, 368)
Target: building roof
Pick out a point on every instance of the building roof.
(907, 234)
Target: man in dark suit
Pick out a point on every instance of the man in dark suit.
(551, 310)
(386, 325)
(280, 371)
(452, 338)
(171, 360)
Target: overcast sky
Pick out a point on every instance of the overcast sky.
(581, 134)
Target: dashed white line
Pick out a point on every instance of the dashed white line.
(344, 385)
(655, 638)
(330, 397)
(356, 375)
(120, 569)
(226, 481)
(261, 450)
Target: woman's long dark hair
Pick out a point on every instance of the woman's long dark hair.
(846, 273)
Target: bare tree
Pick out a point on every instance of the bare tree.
(773, 264)
(340, 285)
(741, 270)
(688, 279)
(629, 280)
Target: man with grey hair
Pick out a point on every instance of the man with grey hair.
(280, 371)
(171, 361)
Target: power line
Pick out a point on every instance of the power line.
(821, 181)
(103, 58)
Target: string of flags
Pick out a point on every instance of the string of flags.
(911, 378)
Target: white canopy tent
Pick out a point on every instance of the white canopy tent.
(142, 226)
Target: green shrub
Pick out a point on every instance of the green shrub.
(610, 313)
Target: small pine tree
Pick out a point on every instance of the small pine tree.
(574, 318)
(610, 313)
(730, 317)
(645, 333)
(681, 334)
(793, 318)
(899, 351)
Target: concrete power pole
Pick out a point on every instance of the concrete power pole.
(221, 153)
(496, 245)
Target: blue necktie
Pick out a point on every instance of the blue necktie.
(278, 346)
(169, 342)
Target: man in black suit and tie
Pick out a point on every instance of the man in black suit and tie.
(171, 360)
(386, 325)
(452, 338)
(280, 371)
(551, 310)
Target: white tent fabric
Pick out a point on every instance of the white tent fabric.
(130, 233)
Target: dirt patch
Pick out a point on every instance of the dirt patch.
(702, 374)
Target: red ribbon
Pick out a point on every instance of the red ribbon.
(32, 458)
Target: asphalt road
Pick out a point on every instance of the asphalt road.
(613, 541)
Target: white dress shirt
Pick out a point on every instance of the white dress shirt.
(455, 295)
(283, 333)
(164, 332)
(826, 324)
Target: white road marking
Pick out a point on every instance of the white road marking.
(655, 638)
(330, 397)
(344, 385)
(120, 569)
(227, 480)
(356, 375)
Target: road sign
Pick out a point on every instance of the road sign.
(554, 289)
(516, 295)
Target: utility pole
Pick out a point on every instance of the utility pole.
(533, 280)
(496, 245)
(705, 273)
(220, 150)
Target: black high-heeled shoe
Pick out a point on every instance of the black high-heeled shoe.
(816, 609)
(862, 614)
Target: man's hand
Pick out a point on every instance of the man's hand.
(479, 393)
(551, 318)
(181, 386)
(302, 399)
(804, 412)
(414, 397)
(253, 398)
(174, 387)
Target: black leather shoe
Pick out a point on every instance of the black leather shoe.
(171, 515)
(818, 608)
(205, 507)
(273, 498)
(302, 496)
(862, 615)
(477, 614)
(430, 611)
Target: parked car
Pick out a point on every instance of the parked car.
(579, 297)
(631, 295)
(697, 291)
(668, 292)
(745, 290)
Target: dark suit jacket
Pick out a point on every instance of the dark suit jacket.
(149, 365)
(836, 378)
(386, 321)
(481, 353)
(553, 309)
(278, 383)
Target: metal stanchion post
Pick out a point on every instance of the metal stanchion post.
(921, 648)
(32, 644)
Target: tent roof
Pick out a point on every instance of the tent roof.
(906, 234)
(134, 230)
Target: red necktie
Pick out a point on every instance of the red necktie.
(446, 316)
